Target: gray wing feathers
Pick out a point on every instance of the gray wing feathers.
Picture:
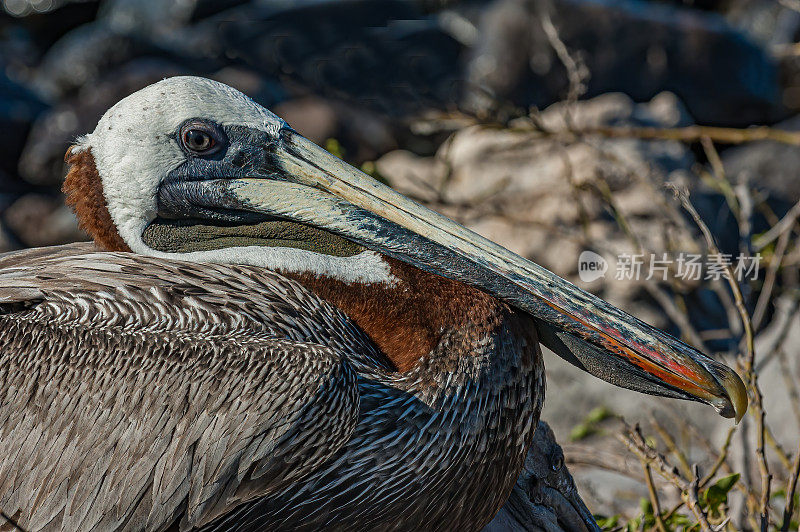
(117, 416)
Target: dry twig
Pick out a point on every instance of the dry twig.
(633, 440)
(785, 224)
(670, 443)
(747, 361)
(651, 489)
(769, 279)
(791, 488)
(721, 459)
(722, 135)
(693, 501)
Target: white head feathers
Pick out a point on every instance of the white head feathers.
(134, 148)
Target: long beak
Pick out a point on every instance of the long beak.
(326, 192)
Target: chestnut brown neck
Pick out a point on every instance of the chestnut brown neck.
(84, 193)
(406, 320)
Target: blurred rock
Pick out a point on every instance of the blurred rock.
(264, 90)
(639, 48)
(19, 108)
(312, 117)
(776, 26)
(128, 30)
(148, 17)
(18, 51)
(174, 25)
(767, 22)
(11, 190)
(82, 56)
(385, 56)
(21, 8)
(7, 241)
(38, 220)
(361, 134)
(768, 166)
(46, 21)
(42, 161)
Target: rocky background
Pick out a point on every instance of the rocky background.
(553, 127)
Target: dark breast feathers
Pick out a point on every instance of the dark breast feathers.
(137, 393)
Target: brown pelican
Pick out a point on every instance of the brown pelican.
(290, 344)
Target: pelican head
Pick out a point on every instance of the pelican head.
(192, 169)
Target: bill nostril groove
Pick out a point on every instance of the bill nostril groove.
(238, 159)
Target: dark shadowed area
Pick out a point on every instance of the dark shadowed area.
(648, 151)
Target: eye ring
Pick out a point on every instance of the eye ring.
(200, 138)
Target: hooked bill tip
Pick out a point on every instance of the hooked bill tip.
(735, 404)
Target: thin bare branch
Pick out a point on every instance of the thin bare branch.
(791, 489)
(672, 446)
(720, 178)
(769, 279)
(680, 318)
(651, 489)
(693, 500)
(721, 459)
(791, 385)
(634, 440)
(722, 135)
(747, 361)
(785, 224)
(577, 73)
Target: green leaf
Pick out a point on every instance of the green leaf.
(727, 483)
(717, 494)
(589, 425)
(678, 520)
(334, 147)
(582, 431)
(599, 414)
(645, 506)
(607, 523)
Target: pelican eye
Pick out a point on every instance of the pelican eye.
(200, 137)
(197, 140)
